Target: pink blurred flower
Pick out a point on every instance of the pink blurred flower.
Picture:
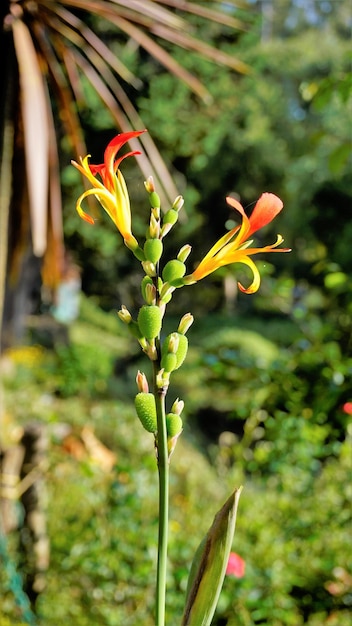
(347, 408)
(236, 566)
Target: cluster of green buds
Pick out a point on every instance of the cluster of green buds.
(157, 286)
(146, 412)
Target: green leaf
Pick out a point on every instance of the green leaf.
(209, 566)
(339, 157)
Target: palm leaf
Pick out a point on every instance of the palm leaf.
(36, 136)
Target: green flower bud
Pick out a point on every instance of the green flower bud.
(146, 280)
(170, 217)
(149, 321)
(166, 292)
(178, 203)
(173, 425)
(173, 270)
(177, 344)
(154, 225)
(146, 411)
(150, 294)
(177, 406)
(124, 315)
(169, 362)
(149, 268)
(154, 199)
(185, 323)
(182, 349)
(153, 249)
(184, 253)
(170, 344)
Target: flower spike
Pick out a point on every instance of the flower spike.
(234, 246)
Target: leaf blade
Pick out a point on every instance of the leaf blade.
(209, 566)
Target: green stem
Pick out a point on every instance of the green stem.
(163, 469)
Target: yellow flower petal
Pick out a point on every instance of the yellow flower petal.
(106, 200)
(255, 284)
(85, 170)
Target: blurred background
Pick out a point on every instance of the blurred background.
(238, 97)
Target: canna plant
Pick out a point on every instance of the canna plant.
(213, 559)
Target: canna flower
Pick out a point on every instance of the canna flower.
(109, 187)
(234, 246)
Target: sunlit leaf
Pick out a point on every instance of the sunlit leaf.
(209, 566)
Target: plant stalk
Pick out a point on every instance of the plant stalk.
(163, 470)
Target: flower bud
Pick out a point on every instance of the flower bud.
(166, 292)
(149, 268)
(154, 199)
(181, 350)
(150, 321)
(170, 344)
(146, 280)
(155, 212)
(170, 217)
(150, 293)
(184, 253)
(176, 344)
(146, 411)
(173, 270)
(173, 425)
(124, 315)
(149, 184)
(178, 203)
(142, 382)
(154, 225)
(153, 249)
(185, 323)
(177, 406)
(165, 230)
(168, 362)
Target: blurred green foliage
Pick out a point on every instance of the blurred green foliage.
(259, 412)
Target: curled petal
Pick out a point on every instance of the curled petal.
(106, 200)
(255, 284)
(85, 216)
(124, 156)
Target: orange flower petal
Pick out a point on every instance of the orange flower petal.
(267, 207)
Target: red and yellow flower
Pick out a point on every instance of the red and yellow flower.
(109, 187)
(234, 246)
